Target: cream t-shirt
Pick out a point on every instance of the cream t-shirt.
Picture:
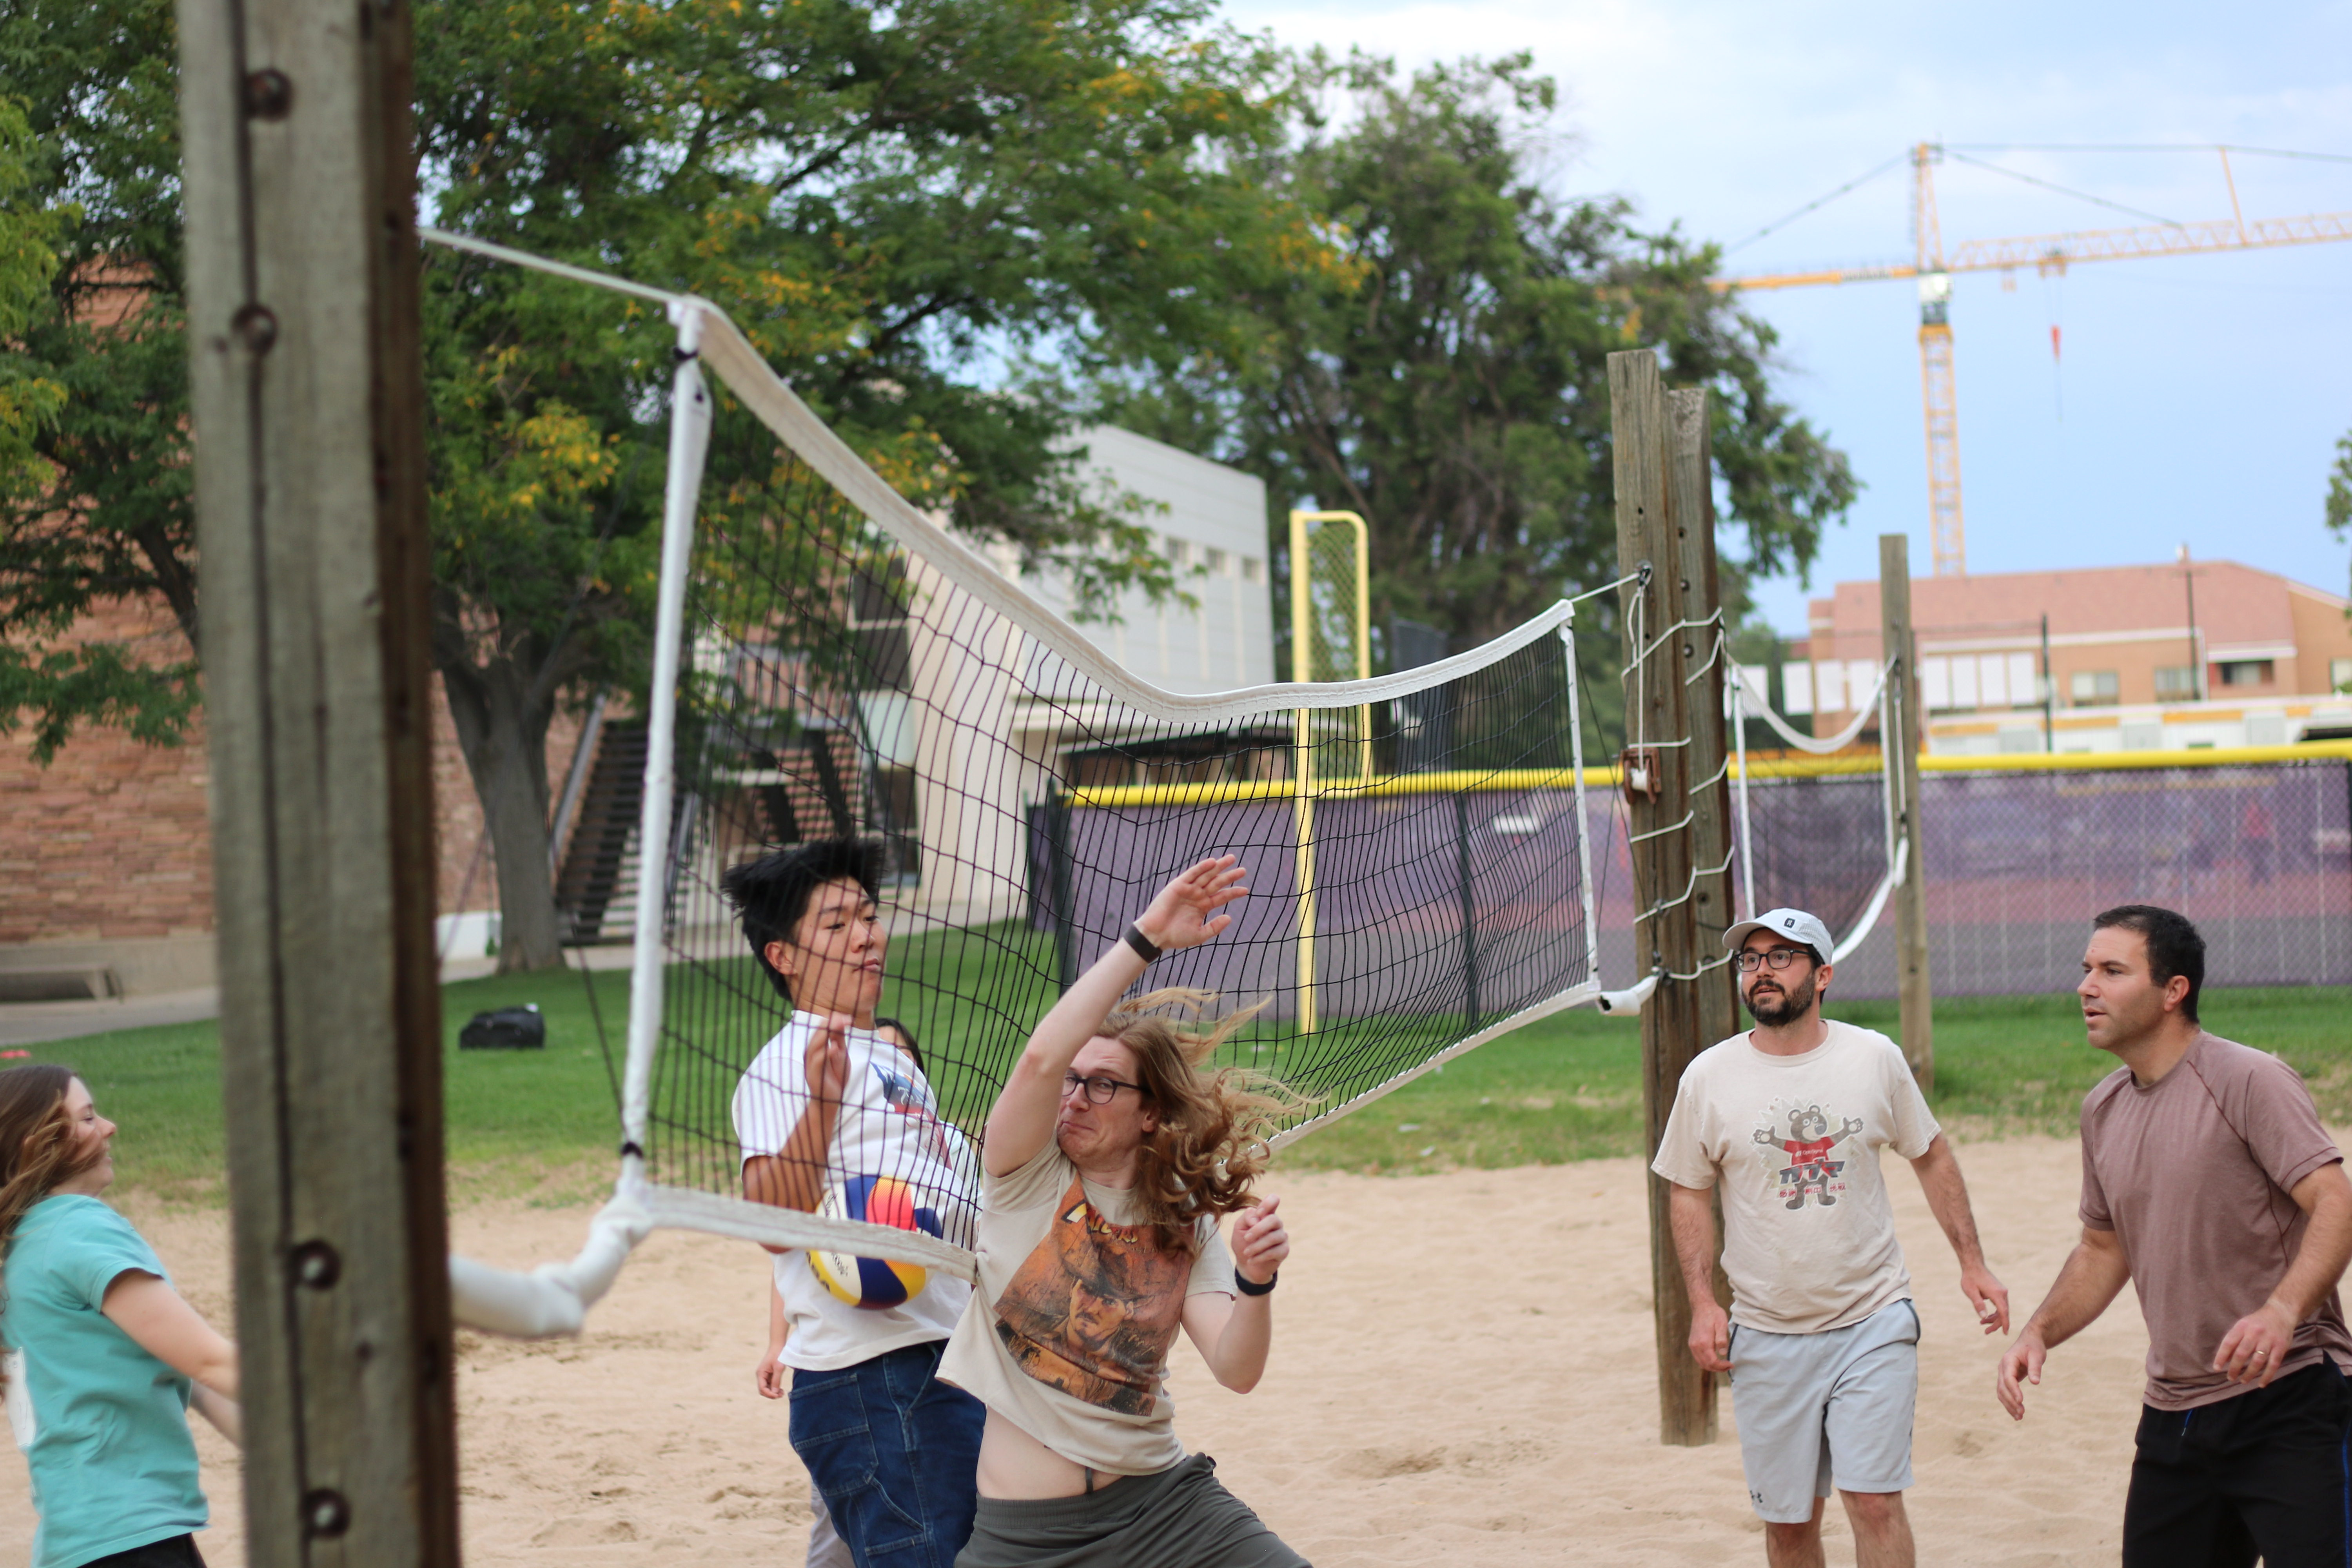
(1809, 1236)
(1067, 1336)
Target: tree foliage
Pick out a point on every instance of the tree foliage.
(2339, 489)
(884, 198)
(1457, 394)
(94, 494)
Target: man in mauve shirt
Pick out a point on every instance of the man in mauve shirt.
(2208, 1182)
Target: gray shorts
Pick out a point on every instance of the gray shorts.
(1181, 1517)
(1831, 1407)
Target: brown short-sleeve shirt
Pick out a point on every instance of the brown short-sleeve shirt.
(2193, 1174)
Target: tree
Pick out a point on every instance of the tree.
(1457, 396)
(886, 197)
(880, 196)
(94, 495)
(2339, 489)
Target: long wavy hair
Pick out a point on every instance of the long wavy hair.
(1212, 1141)
(39, 1145)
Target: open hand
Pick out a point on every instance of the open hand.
(827, 1058)
(2020, 1363)
(1186, 913)
(1260, 1242)
(1710, 1335)
(2256, 1346)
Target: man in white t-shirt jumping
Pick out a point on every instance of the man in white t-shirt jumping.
(1822, 1341)
(832, 1108)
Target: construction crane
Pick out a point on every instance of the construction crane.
(1933, 266)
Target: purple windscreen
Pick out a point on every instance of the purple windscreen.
(2016, 863)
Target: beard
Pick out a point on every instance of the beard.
(1789, 1004)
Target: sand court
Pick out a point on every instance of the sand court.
(1461, 1373)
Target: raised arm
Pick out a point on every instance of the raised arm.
(1947, 1197)
(2095, 1271)
(1185, 914)
(2258, 1343)
(164, 1325)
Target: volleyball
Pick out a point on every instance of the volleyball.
(874, 1283)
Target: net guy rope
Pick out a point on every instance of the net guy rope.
(832, 663)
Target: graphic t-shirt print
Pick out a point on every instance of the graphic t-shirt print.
(1800, 1148)
(1095, 1308)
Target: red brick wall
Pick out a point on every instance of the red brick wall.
(112, 841)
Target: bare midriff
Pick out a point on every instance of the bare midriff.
(1016, 1467)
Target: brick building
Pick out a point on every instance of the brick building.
(105, 871)
(2210, 653)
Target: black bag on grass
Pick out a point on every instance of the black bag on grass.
(505, 1029)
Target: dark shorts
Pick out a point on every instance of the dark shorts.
(176, 1551)
(2267, 1473)
(1181, 1517)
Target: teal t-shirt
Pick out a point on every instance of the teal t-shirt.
(104, 1425)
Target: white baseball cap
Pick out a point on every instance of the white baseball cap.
(1794, 924)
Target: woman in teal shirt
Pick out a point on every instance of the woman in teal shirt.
(103, 1358)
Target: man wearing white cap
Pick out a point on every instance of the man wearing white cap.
(1822, 1341)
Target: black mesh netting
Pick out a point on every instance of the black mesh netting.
(837, 684)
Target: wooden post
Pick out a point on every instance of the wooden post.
(1898, 641)
(308, 397)
(1690, 503)
(1665, 933)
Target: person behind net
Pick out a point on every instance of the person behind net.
(104, 1358)
(1821, 1340)
(826, 1102)
(1109, 1158)
(772, 1377)
(2209, 1184)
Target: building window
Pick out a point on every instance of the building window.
(2246, 672)
(2176, 683)
(2339, 675)
(1180, 552)
(2094, 688)
(1219, 563)
(1253, 569)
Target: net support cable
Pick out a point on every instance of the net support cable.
(553, 1299)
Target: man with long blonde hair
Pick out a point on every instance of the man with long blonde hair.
(1110, 1157)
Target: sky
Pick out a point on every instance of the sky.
(2193, 400)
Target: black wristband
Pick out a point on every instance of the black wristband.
(1246, 1288)
(1142, 944)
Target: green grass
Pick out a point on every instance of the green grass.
(1568, 1088)
(515, 1121)
(542, 1124)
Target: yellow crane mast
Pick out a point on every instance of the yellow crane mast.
(1933, 266)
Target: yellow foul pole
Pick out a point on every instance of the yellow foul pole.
(1312, 659)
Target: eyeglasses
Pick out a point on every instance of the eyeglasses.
(1778, 957)
(1099, 1089)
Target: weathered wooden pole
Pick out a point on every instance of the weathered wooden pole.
(1658, 755)
(1690, 503)
(1898, 641)
(302, 329)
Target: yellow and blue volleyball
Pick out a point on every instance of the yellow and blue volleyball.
(874, 1283)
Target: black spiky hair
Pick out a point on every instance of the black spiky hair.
(771, 893)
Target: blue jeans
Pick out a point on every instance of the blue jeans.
(894, 1451)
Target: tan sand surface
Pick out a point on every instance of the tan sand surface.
(1461, 1373)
